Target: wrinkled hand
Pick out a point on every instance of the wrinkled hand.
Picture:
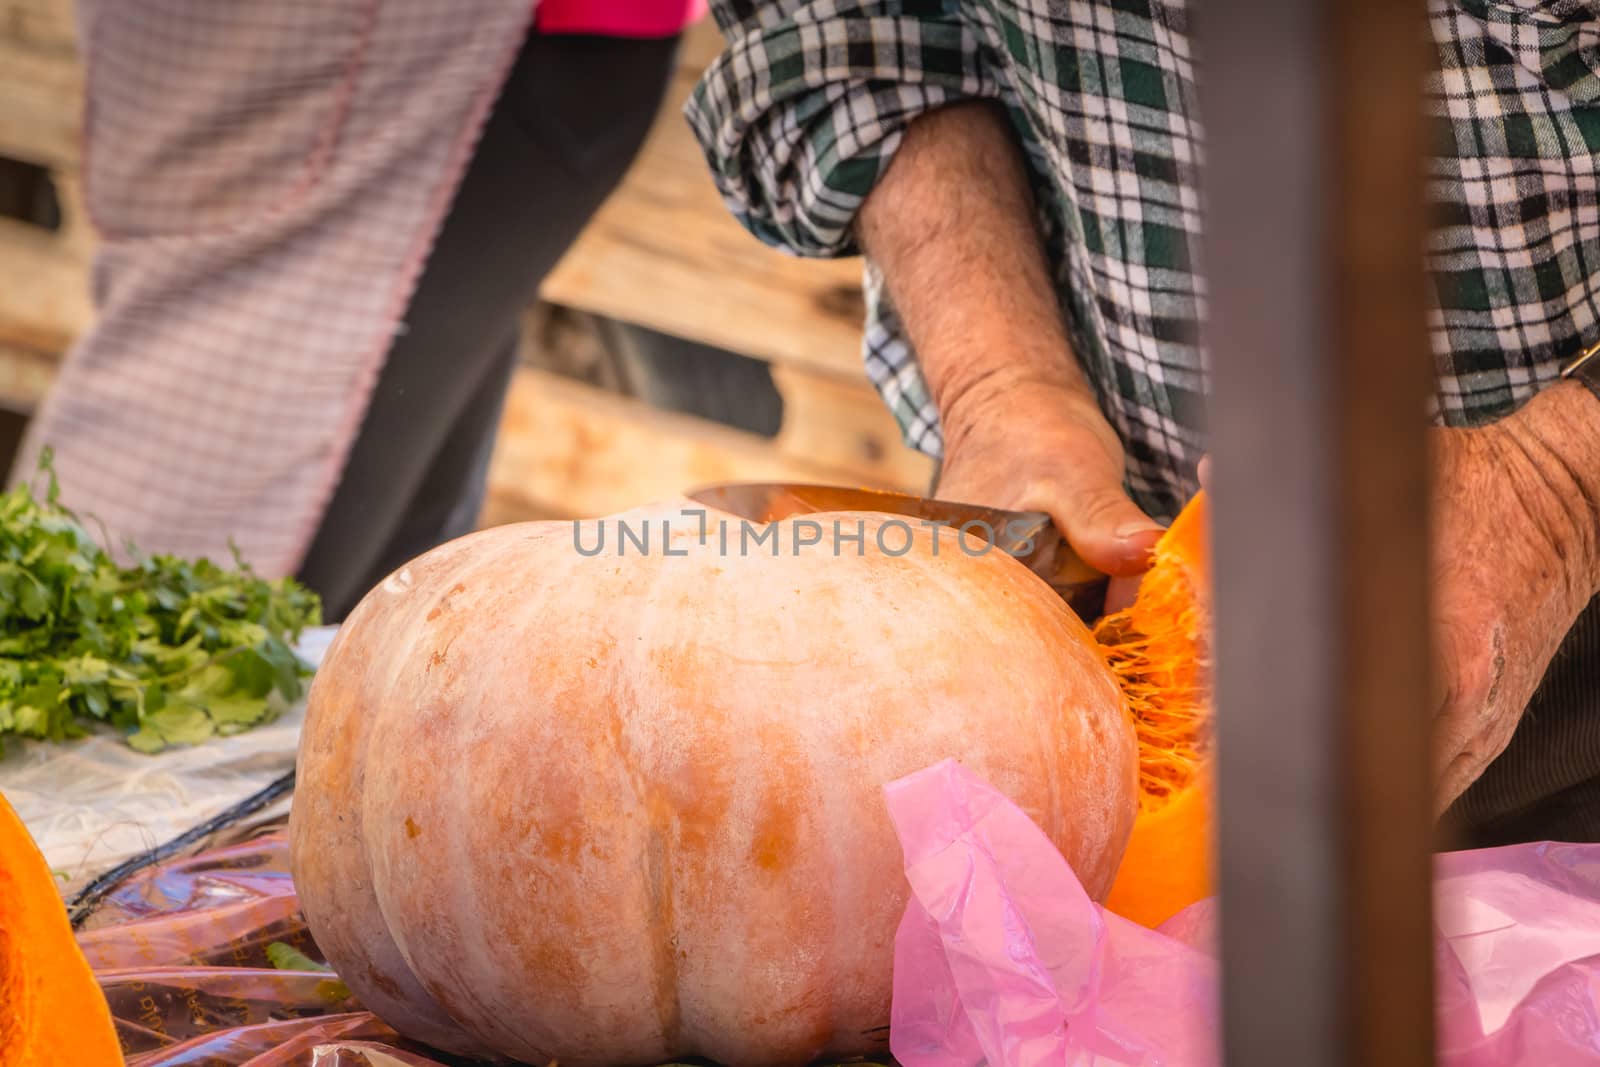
(1026, 445)
(1515, 562)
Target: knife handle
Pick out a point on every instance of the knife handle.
(1086, 599)
(1080, 585)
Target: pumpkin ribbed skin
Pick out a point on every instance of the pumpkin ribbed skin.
(52, 1012)
(616, 811)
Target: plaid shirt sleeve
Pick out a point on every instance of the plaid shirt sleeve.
(1515, 253)
(806, 107)
(800, 116)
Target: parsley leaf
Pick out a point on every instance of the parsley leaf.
(166, 650)
(288, 958)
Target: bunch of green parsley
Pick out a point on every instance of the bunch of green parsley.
(166, 651)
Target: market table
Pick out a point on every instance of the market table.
(205, 958)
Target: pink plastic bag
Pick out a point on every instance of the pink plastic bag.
(1518, 956)
(1002, 957)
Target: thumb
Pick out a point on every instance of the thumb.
(1452, 695)
(1107, 529)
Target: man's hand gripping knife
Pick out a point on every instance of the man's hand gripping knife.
(951, 227)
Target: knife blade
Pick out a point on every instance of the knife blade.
(1030, 536)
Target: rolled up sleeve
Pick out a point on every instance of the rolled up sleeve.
(804, 110)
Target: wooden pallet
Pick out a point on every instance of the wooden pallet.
(662, 253)
(44, 289)
(568, 449)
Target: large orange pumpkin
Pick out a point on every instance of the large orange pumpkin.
(621, 809)
(52, 1012)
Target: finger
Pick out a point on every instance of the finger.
(1468, 730)
(1120, 594)
(1203, 472)
(1083, 495)
(1448, 740)
(1447, 659)
(1450, 783)
(1471, 664)
(1105, 528)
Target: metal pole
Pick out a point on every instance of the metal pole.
(1315, 233)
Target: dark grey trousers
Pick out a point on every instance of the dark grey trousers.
(1546, 784)
(568, 123)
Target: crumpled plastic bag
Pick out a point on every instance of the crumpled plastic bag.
(1002, 958)
(1517, 956)
(184, 955)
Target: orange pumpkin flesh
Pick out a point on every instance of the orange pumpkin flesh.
(52, 1012)
(1160, 649)
(613, 811)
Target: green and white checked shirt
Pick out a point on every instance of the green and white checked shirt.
(805, 109)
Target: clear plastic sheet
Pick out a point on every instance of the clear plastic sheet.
(183, 954)
(95, 802)
(1003, 958)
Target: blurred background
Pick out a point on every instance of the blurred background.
(668, 348)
